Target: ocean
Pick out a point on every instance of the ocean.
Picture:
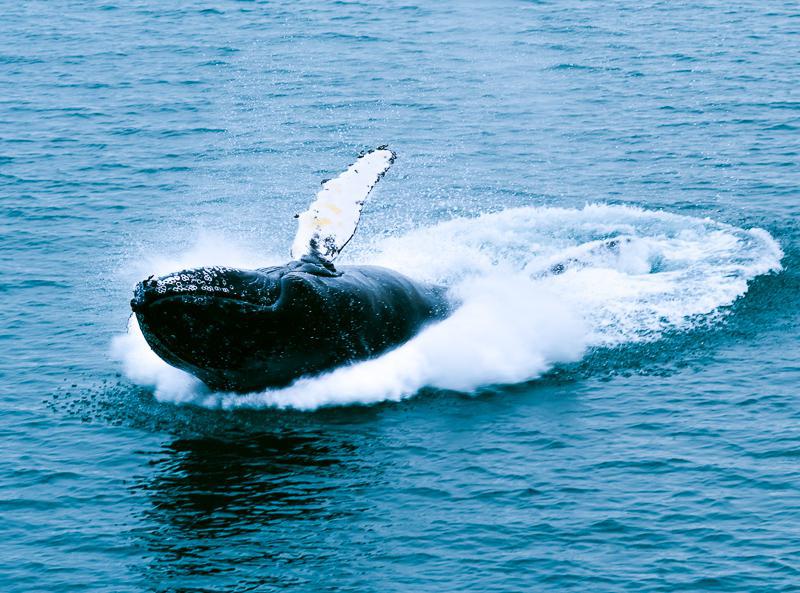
(629, 424)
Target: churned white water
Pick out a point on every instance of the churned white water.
(534, 287)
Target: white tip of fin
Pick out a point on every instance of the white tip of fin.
(331, 219)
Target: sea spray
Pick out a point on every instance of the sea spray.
(531, 288)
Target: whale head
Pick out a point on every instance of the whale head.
(234, 329)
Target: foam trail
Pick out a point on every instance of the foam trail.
(480, 344)
(625, 275)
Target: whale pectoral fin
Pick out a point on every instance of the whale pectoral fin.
(331, 220)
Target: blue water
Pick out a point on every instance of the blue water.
(647, 441)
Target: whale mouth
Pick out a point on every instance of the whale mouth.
(142, 302)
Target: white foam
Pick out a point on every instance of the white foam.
(515, 320)
(208, 249)
(142, 366)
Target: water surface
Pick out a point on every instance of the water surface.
(140, 135)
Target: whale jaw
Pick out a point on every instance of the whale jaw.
(220, 324)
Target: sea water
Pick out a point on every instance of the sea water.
(628, 423)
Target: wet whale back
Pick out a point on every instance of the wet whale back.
(321, 321)
(376, 305)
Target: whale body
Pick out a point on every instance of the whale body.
(244, 330)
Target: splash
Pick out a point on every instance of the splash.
(535, 287)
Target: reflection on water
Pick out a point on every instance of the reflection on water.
(246, 509)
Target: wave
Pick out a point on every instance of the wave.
(533, 288)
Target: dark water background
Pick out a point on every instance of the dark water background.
(127, 128)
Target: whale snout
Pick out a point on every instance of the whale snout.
(145, 293)
(212, 321)
(204, 285)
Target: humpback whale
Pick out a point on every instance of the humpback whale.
(244, 330)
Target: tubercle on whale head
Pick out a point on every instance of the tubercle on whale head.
(212, 282)
(260, 287)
